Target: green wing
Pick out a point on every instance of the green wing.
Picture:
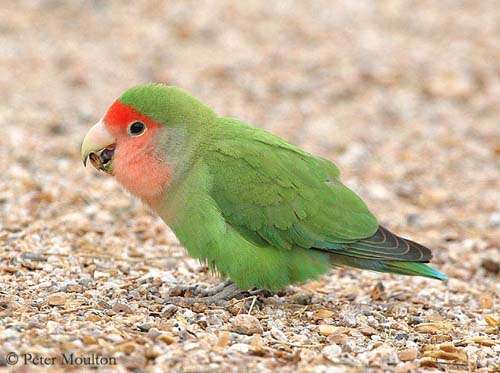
(273, 191)
(275, 194)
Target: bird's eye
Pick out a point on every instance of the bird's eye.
(136, 128)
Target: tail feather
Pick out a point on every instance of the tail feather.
(384, 252)
(416, 269)
(385, 245)
(399, 267)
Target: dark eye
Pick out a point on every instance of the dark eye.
(136, 128)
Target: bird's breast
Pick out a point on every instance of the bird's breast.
(143, 174)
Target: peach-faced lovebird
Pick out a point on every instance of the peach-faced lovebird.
(259, 211)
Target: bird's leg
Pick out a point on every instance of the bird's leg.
(218, 295)
(260, 293)
(199, 290)
(206, 292)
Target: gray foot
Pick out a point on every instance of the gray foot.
(199, 290)
(218, 294)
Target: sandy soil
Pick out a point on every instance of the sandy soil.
(403, 95)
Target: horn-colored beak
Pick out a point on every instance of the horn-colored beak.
(96, 140)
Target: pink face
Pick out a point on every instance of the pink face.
(137, 165)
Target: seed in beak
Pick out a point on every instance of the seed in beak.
(107, 154)
(102, 159)
(95, 160)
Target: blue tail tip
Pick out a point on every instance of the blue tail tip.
(439, 275)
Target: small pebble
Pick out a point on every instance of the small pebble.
(115, 338)
(323, 314)
(57, 299)
(101, 275)
(153, 333)
(127, 348)
(302, 298)
(166, 338)
(74, 288)
(491, 265)
(168, 311)
(89, 340)
(408, 355)
(278, 334)
(246, 324)
(400, 336)
(34, 256)
(238, 348)
(144, 327)
(486, 301)
(9, 333)
(224, 339)
(331, 352)
(152, 352)
(54, 327)
(121, 307)
(368, 330)
(326, 330)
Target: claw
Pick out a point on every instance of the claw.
(218, 295)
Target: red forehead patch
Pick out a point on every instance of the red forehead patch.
(120, 115)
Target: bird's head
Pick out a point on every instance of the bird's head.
(143, 135)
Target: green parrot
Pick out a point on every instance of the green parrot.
(259, 211)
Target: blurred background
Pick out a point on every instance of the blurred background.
(403, 95)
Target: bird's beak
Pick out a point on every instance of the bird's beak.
(98, 146)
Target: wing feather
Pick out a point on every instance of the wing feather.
(287, 196)
(275, 191)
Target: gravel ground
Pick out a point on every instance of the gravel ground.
(403, 95)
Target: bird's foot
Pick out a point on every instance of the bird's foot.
(198, 290)
(218, 295)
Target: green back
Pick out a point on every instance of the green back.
(275, 192)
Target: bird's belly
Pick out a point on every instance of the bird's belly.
(256, 266)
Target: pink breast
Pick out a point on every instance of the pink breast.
(141, 172)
